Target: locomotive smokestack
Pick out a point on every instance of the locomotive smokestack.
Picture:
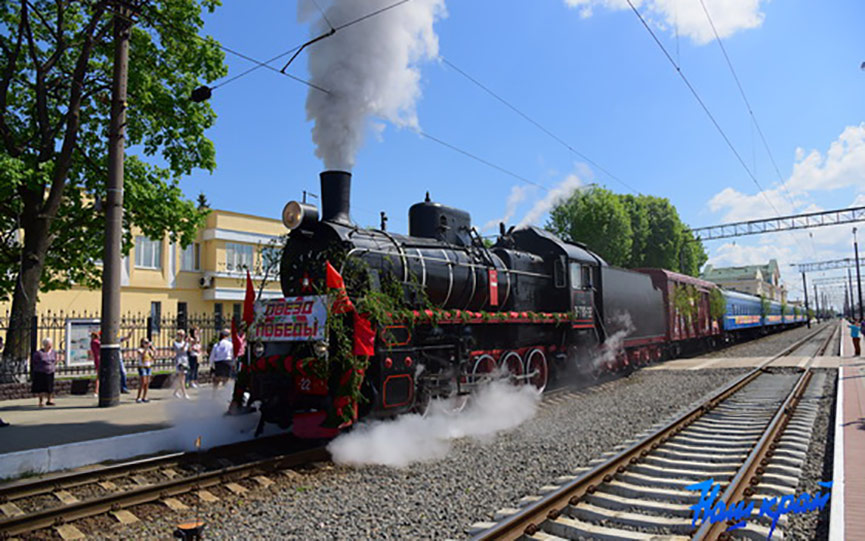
(335, 196)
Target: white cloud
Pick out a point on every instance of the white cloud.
(842, 166)
(555, 195)
(686, 16)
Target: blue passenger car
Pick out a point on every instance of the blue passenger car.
(743, 311)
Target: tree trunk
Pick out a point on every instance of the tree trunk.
(36, 228)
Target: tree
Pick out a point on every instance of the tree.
(638, 213)
(692, 254)
(55, 75)
(595, 216)
(664, 234)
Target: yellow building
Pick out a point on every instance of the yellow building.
(161, 279)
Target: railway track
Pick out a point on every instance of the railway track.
(58, 500)
(751, 438)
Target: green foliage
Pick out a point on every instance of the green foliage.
(629, 230)
(596, 217)
(54, 139)
(717, 304)
(784, 308)
(764, 306)
(796, 311)
(686, 300)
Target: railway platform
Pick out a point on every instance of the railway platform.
(76, 432)
(847, 519)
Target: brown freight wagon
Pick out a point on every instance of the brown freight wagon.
(690, 328)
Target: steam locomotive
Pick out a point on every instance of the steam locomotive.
(532, 307)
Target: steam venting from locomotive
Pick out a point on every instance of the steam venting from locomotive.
(368, 69)
(411, 438)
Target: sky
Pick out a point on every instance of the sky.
(610, 106)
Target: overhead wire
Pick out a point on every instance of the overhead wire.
(481, 160)
(751, 113)
(535, 123)
(705, 108)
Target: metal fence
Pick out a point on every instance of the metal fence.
(70, 334)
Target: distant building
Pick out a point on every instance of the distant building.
(760, 280)
(162, 279)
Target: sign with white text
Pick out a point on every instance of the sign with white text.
(291, 319)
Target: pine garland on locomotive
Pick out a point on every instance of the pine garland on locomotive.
(447, 312)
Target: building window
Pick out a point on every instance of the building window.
(239, 256)
(235, 312)
(190, 258)
(155, 317)
(148, 253)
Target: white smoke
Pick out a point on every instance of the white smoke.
(518, 195)
(618, 328)
(369, 69)
(556, 195)
(413, 438)
(205, 417)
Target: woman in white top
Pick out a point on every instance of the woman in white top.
(181, 364)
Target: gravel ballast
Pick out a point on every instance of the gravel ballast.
(441, 499)
(817, 467)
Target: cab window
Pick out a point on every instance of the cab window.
(576, 276)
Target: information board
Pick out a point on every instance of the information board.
(78, 341)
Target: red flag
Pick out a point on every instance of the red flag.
(237, 342)
(249, 302)
(364, 336)
(342, 304)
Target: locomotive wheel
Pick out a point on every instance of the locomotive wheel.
(536, 364)
(484, 366)
(513, 364)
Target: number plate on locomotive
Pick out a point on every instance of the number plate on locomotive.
(292, 319)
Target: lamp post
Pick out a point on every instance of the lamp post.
(858, 274)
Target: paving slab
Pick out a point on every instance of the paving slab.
(76, 432)
(847, 517)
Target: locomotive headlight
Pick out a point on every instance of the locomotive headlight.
(320, 349)
(258, 349)
(296, 214)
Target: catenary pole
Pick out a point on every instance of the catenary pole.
(850, 289)
(816, 304)
(805, 289)
(109, 370)
(858, 274)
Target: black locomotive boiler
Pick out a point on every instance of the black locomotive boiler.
(526, 305)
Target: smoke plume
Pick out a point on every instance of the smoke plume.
(554, 196)
(369, 69)
(414, 438)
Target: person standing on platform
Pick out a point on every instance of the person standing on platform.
(43, 365)
(146, 355)
(194, 354)
(181, 364)
(220, 359)
(95, 344)
(855, 332)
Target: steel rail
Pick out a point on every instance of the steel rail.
(172, 487)
(17, 490)
(751, 472)
(528, 520)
